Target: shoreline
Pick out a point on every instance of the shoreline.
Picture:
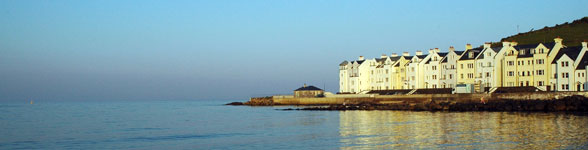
(575, 102)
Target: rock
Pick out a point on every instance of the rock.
(235, 103)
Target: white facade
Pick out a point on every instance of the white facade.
(485, 66)
(432, 69)
(564, 67)
(449, 68)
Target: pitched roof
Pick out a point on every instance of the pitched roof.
(308, 88)
(459, 52)
(549, 45)
(395, 58)
(466, 56)
(572, 52)
(444, 60)
(442, 54)
(360, 61)
(380, 59)
(583, 62)
(526, 46)
(421, 56)
(524, 53)
(344, 63)
(496, 49)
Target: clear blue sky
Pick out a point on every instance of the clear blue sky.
(231, 50)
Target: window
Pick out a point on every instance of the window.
(522, 52)
(471, 54)
(565, 87)
(461, 75)
(434, 67)
(529, 73)
(470, 75)
(564, 63)
(540, 83)
(461, 65)
(565, 75)
(450, 76)
(511, 73)
(471, 65)
(487, 74)
(510, 63)
(540, 61)
(540, 72)
(386, 71)
(434, 77)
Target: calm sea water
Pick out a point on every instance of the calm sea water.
(211, 125)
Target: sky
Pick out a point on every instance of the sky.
(113, 50)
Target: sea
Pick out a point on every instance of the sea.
(212, 125)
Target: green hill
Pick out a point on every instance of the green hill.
(571, 33)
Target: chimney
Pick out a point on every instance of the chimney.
(487, 45)
(430, 51)
(361, 58)
(394, 55)
(558, 40)
(304, 85)
(468, 46)
(437, 50)
(405, 54)
(418, 53)
(584, 44)
(451, 49)
(384, 56)
(505, 44)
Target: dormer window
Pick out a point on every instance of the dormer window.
(471, 55)
(522, 52)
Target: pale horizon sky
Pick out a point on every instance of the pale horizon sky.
(231, 50)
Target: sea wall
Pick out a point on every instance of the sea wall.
(532, 101)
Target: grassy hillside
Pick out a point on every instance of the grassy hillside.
(571, 33)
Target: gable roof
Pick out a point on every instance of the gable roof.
(344, 63)
(466, 57)
(583, 62)
(526, 53)
(395, 58)
(496, 49)
(572, 52)
(458, 52)
(308, 88)
(444, 59)
(360, 61)
(442, 54)
(526, 46)
(549, 45)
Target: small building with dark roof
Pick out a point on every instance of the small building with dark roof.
(308, 91)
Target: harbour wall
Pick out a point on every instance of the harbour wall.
(531, 101)
(416, 98)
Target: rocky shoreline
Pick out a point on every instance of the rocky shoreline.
(574, 103)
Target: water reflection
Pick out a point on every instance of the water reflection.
(463, 130)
